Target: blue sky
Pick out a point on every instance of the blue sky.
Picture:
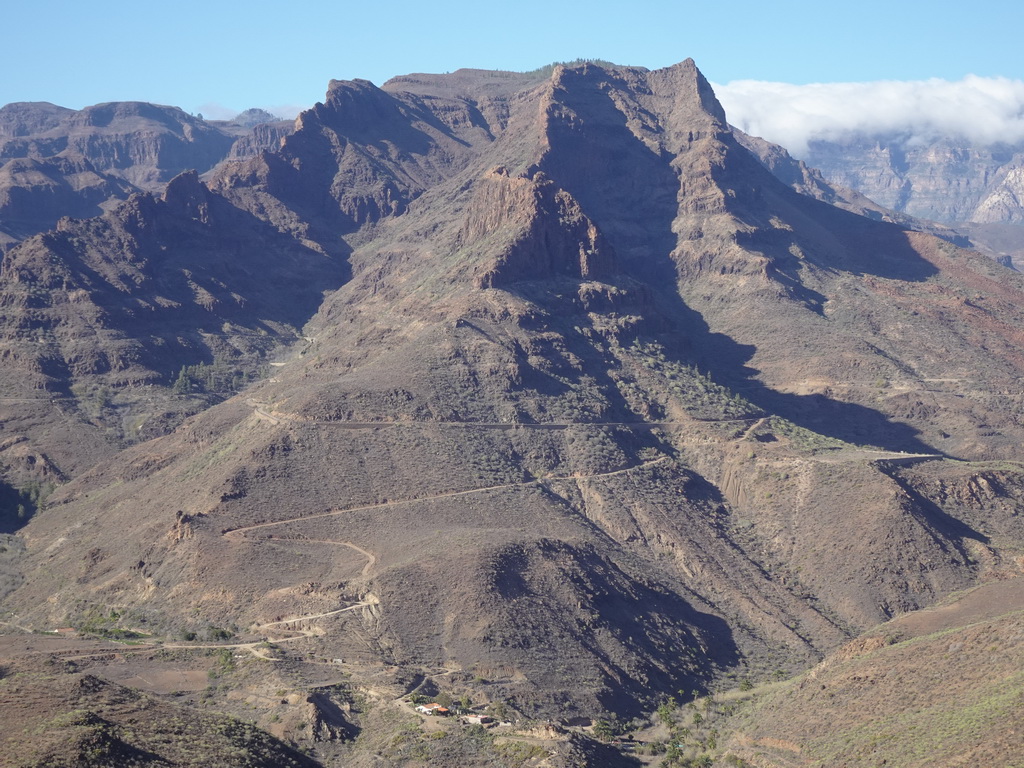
(198, 55)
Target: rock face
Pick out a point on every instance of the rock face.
(601, 411)
(554, 237)
(59, 162)
(262, 136)
(1005, 201)
(945, 181)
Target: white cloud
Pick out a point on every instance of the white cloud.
(982, 110)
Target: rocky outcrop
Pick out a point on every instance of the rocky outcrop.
(545, 233)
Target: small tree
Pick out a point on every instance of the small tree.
(183, 384)
(665, 710)
(604, 730)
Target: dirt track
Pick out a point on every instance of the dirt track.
(238, 534)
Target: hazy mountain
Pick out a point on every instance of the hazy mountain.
(594, 411)
(59, 162)
(255, 116)
(1001, 240)
(947, 180)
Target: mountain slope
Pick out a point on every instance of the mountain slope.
(937, 686)
(112, 328)
(54, 716)
(603, 412)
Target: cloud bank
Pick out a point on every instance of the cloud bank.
(980, 110)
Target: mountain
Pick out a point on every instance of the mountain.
(591, 409)
(945, 180)
(254, 116)
(977, 189)
(1000, 241)
(58, 162)
(114, 328)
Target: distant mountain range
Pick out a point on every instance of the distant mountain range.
(60, 162)
(545, 393)
(947, 180)
(976, 189)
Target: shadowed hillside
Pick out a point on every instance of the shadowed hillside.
(594, 410)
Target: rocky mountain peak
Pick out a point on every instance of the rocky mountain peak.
(694, 100)
(582, 406)
(25, 118)
(186, 195)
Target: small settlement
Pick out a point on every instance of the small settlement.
(468, 718)
(433, 709)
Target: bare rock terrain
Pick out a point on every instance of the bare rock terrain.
(575, 408)
(57, 162)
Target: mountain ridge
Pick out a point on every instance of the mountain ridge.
(598, 411)
(63, 162)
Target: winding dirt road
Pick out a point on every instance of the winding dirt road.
(238, 535)
(276, 417)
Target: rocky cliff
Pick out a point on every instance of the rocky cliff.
(946, 181)
(59, 162)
